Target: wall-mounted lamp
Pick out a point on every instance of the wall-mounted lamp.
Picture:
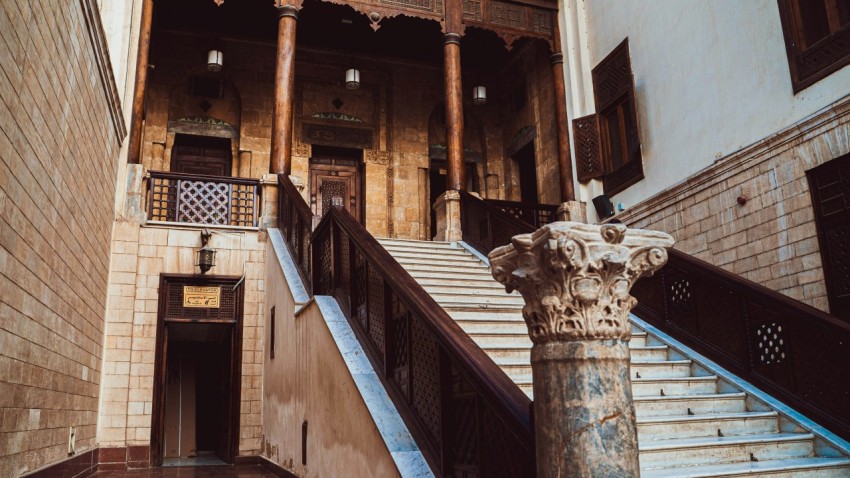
(206, 255)
(352, 78)
(479, 95)
(215, 59)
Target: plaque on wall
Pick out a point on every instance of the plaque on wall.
(327, 135)
(201, 297)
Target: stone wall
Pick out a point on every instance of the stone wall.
(772, 239)
(60, 132)
(139, 255)
(395, 102)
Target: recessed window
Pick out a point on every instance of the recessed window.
(817, 38)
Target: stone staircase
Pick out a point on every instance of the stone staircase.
(691, 422)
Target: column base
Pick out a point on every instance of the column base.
(447, 207)
(134, 195)
(583, 410)
(269, 199)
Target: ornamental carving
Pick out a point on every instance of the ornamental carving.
(575, 278)
(377, 157)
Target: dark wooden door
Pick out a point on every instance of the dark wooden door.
(335, 182)
(201, 155)
(830, 185)
(527, 173)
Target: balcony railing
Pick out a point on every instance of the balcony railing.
(209, 200)
(490, 224)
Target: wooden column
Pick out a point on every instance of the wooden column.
(564, 161)
(284, 91)
(455, 179)
(135, 140)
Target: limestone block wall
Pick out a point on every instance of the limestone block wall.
(772, 239)
(139, 255)
(308, 381)
(60, 132)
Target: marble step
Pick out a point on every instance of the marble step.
(445, 261)
(466, 301)
(484, 283)
(455, 268)
(471, 290)
(808, 467)
(487, 326)
(502, 340)
(521, 351)
(401, 254)
(659, 387)
(481, 273)
(703, 451)
(695, 426)
(388, 242)
(475, 306)
(684, 405)
(475, 316)
(521, 373)
(647, 353)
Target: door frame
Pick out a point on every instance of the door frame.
(157, 438)
(332, 166)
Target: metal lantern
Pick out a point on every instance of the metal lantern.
(479, 95)
(206, 255)
(352, 79)
(215, 60)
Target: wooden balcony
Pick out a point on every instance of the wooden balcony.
(204, 200)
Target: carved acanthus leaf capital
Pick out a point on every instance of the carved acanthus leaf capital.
(575, 278)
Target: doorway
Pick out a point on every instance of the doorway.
(197, 372)
(336, 179)
(204, 155)
(527, 173)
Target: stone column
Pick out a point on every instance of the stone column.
(447, 207)
(284, 91)
(269, 208)
(575, 279)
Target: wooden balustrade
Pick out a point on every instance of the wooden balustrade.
(468, 417)
(486, 225)
(295, 221)
(196, 199)
(790, 350)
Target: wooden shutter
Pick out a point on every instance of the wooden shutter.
(588, 149)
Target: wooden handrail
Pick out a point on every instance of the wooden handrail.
(203, 177)
(295, 220)
(537, 215)
(485, 226)
(497, 390)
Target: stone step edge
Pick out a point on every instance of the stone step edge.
(751, 469)
(735, 440)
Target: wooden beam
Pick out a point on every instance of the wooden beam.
(563, 133)
(284, 91)
(135, 140)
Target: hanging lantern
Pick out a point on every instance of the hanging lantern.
(215, 60)
(352, 79)
(479, 95)
(205, 259)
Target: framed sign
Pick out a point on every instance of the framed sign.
(201, 297)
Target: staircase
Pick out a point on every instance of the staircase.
(691, 423)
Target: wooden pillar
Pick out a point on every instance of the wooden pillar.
(564, 161)
(134, 152)
(284, 91)
(455, 179)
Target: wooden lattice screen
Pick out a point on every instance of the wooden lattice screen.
(172, 294)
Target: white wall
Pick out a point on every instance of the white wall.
(711, 77)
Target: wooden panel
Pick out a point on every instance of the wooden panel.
(589, 164)
(334, 185)
(830, 188)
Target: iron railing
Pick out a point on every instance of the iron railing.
(788, 349)
(209, 200)
(469, 418)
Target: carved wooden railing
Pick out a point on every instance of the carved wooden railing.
(486, 225)
(538, 215)
(469, 418)
(196, 199)
(295, 221)
(788, 349)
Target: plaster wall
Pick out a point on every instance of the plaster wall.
(60, 132)
(308, 380)
(711, 78)
(139, 255)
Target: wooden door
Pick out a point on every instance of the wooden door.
(201, 155)
(830, 186)
(335, 182)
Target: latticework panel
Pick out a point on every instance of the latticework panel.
(325, 272)
(377, 310)
(174, 303)
(425, 364)
(502, 455)
(163, 200)
(333, 194)
(243, 211)
(359, 290)
(400, 343)
(612, 77)
(463, 419)
(202, 202)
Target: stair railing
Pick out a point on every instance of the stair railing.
(792, 351)
(295, 220)
(489, 224)
(466, 414)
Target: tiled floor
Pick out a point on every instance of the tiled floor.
(243, 471)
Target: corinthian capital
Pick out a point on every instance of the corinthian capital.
(575, 278)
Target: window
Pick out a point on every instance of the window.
(607, 143)
(817, 38)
